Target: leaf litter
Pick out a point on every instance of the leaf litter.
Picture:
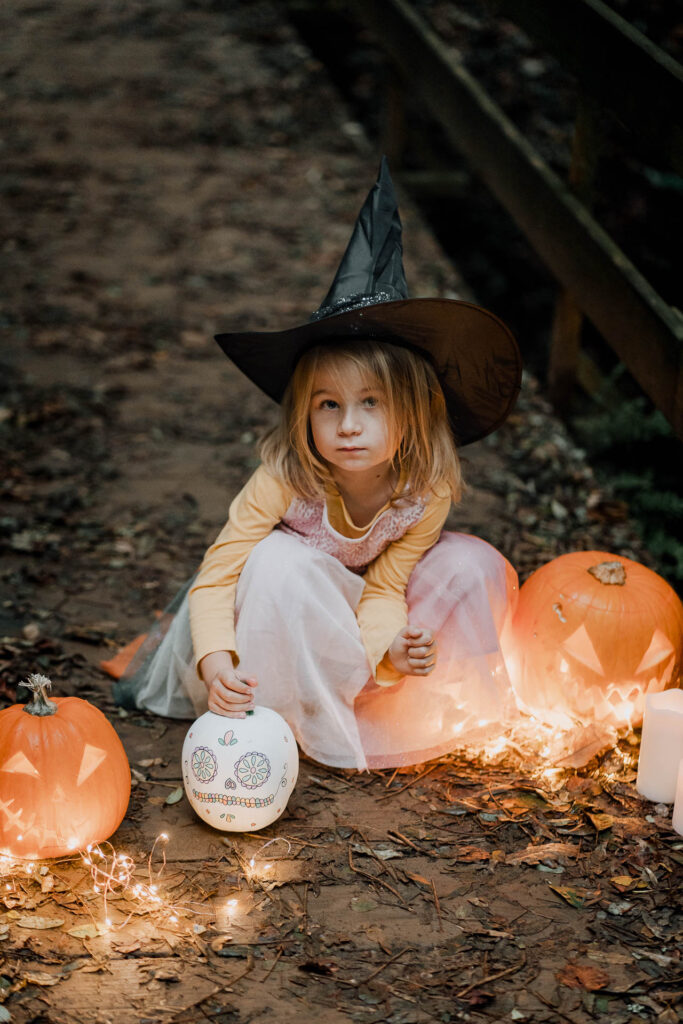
(468, 888)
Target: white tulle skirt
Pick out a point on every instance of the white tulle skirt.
(297, 634)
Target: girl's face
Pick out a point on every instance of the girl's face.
(348, 418)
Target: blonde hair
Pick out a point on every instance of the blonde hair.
(425, 454)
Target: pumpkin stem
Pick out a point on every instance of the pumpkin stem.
(42, 705)
(610, 573)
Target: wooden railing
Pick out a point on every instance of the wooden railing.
(644, 88)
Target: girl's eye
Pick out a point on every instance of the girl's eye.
(328, 403)
(371, 401)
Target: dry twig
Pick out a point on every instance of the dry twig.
(492, 977)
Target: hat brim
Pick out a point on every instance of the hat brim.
(474, 354)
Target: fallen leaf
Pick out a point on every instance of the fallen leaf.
(150, 762)
(575, 897)
(85, 931)
(601, 821)
(125, 947)
(38, 922)
(166, 974)
(622, 882)
(668, 1016)
(361, 904)
(380, 854)
(420, 879)
(581, 976)
(468, 854)
(175, 796)
(619, 907)
(604, 956)
(535, 854)
(5, 1015)
(42, 978)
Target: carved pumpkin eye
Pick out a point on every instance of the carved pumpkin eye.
(20, 764)
(92, 759)
(659, 649)
(580, 646)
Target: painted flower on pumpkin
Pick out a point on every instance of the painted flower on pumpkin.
(252, 770)
(204, 764)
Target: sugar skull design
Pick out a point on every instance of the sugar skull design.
(204, 764)
(252, 770)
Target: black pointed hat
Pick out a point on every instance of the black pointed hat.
(474, 354)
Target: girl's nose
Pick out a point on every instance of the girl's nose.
(348, 423)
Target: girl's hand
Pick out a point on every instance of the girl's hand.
(413, 651)
(230, 693)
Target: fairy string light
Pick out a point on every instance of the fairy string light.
(266, 867)
(113, 875)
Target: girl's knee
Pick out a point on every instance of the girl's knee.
(278, 553)
(466, 564)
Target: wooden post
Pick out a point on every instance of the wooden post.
(565, 340)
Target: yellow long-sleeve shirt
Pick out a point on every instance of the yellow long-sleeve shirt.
(257, 509)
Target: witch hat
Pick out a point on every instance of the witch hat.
(474, 354)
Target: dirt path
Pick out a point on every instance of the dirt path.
(172, 169)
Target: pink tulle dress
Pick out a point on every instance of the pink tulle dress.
(297, 633)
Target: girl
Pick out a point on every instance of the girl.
(332, 595)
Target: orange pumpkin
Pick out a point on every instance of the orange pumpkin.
(593, 633)
(64, 776)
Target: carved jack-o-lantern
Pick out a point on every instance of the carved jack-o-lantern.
(593, 633)
(64, 776)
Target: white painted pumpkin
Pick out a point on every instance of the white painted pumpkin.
(239, 773)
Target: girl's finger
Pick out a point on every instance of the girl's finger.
(221, 706)
(422, 652)
(226, 714)
(230, 685)
(421, 662)
(422, 646)
(231, 700)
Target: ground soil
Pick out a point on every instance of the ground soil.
(170, 170)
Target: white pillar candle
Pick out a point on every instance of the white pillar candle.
(661, 746)
(677, 820)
